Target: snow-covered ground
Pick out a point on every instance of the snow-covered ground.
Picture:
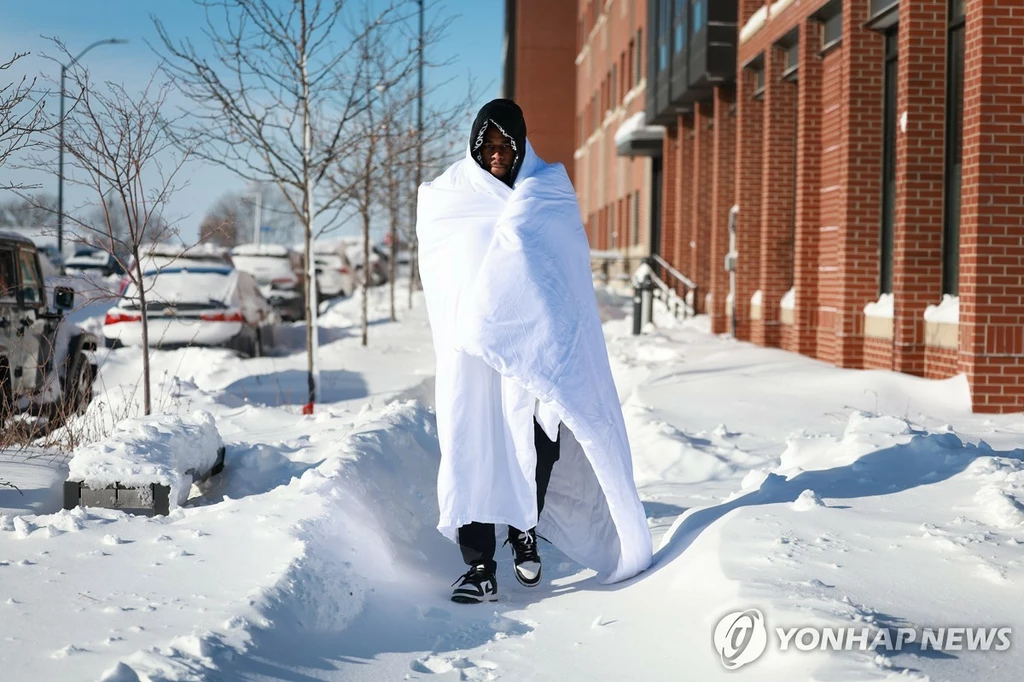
(820, 497)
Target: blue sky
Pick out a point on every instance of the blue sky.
(473, 43)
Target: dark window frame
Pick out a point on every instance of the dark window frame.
(831, 19)
(890, 106)
(953, 173)
(681, 26)
(699, 16)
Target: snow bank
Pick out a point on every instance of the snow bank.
(755, 24)
(883, 307)
(788, 301)
(155, 449)
(947, 312)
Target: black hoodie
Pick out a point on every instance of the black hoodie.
(507, 117)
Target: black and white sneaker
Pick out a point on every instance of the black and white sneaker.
(524, 553)
(477, 585)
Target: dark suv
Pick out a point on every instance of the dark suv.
(45, 367)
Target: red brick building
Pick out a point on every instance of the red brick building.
(539, 73)
(869, 155)
(874, 150)
(616, 153)
(578, 69)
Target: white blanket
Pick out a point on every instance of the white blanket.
(514, 318)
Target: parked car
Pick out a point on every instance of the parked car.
(46, 366)
(279, 274)
(378, 264)
(186, 305)
(334, 273)
(93, 261)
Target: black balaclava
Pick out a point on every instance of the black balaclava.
(507, 117)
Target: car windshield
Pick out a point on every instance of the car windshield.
(265, 269)
(181, 289)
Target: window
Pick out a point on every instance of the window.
(663, 17)
(615, 86)
(699, 15)
(954, 148)
(759, 83)
(792, 62)
(629, 67)
(636, 218)
(639, 55)
(831, 17)
(30, 279)
(8, 275)
(889, 161)
(682, 31)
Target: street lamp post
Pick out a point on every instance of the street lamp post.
(419, 157)
(60, 153)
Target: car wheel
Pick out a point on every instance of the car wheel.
(78, 386)
(256, 351)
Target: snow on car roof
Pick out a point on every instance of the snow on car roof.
(261, 250)
(180, 285)
(14, 236)
(182, 251)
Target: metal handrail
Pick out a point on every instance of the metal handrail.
(686, 281)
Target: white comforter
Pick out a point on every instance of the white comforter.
(506, 274)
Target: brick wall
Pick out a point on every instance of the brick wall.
(860, 181)
(723, 194)
(670, 195)
(778, 196)
(920, 174)
(749, 122)
(700, 185)
(548, 46)
(684, 216)
(992, 217)
(808, 190)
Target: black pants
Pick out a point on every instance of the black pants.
(477, 539)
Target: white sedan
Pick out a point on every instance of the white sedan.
(194, 306)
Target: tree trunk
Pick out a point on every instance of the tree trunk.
(147, 404)
(307, 216)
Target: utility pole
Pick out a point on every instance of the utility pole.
(60, 152)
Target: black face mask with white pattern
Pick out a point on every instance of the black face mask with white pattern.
(505, 116)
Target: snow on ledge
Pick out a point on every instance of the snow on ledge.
(947, 312)
(778, 7)
(155, 449)
(635, 125)
(788, 301)
(883, 307)
(755, 24)
(756, 298)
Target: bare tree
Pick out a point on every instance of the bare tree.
(122, 151)
(21, 114)
(274, 95)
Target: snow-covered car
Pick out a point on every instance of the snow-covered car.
(378, 264)
(159, 256)
(47, 364)
(93, 261)
(279, 274)
(334, 273)
(194, 306)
